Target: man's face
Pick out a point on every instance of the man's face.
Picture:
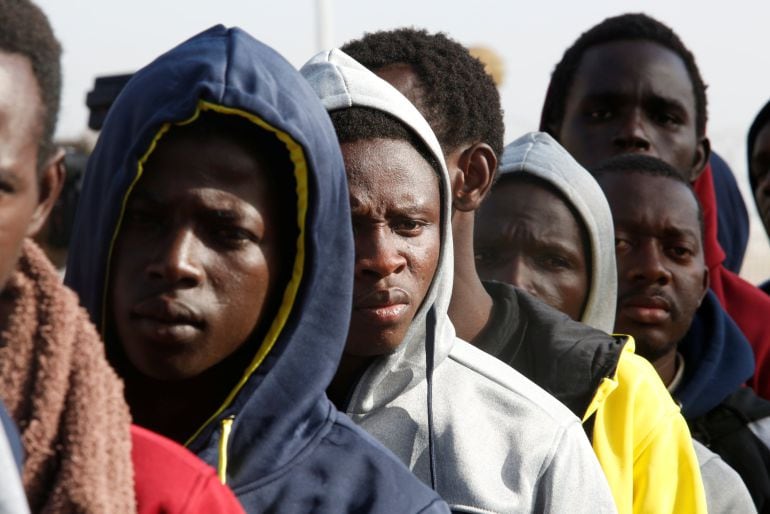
(633, 97)
(526, 236)
(20, 131)
(662, 277)
(396, 208)
(759, 168)
(198, 257)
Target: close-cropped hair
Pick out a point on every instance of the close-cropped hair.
(459, 98)
(26, 31)
(359, 123)
(633, 27)
(628, 164)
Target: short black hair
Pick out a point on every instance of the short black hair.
(26, 31)
(756, 127)
(357, 123)
(632, 26)
(461, 101)
(650, 166)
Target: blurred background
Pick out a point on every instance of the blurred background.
(525, 39)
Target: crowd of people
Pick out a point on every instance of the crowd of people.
(336, 289)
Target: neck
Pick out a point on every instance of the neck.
(665, 365)
(348, 372)
(471, 305)
(177, 408)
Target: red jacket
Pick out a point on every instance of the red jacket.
(169, 479)
(746, 304)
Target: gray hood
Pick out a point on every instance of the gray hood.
(539, 155)
(341, 82)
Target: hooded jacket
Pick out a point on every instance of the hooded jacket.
(732, 217)
(721, 413)
(276, 439)
(486, 438)
(640, 438)
(745, 303)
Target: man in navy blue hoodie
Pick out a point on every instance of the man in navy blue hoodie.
(662, 282)
(213, 249)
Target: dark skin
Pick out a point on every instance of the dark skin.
(471, 169)
(396, 211)
(28, 188)
(526, 236)
(198, 262)
(662, 277)
(633, 97)
(759, 166)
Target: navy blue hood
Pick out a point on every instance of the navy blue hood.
(718, 359)
(286, 447)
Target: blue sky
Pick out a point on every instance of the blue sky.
(728, 40)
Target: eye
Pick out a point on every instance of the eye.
(6, 187)
(680, 252)
(233, 235)
(665, 118)
(600, 114)
(555, 262)
(408, 227)
(485, 257)
(622, 245)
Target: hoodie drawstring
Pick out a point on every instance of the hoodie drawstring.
(226, 425)
(430, 343)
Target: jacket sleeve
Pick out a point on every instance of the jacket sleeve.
(643, 443)
(572, 481)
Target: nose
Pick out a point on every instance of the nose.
(631, 134)
(177, 261)
(646, 264)
(378, 253)
(521, 275)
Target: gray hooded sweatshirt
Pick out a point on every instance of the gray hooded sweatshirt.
(483, 436)
(538, 155)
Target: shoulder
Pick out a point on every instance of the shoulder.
(725, 490)
(483, 372)
(170, 479)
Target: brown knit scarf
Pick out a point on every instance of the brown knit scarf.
(67, 401)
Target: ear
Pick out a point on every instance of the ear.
(477, 164)
(706, 282)
(702, 154)
(49, 187)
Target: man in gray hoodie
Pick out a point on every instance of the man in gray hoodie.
(568, 359)
(483, 436)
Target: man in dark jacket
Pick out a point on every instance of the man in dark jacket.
(662, 281)
(629, 85)
(213, 248)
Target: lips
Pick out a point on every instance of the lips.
(166, 320)
(646, 309)
(382, 306)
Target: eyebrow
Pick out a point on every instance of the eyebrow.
(680, 232)
(654, 98)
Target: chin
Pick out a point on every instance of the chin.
(373, 347)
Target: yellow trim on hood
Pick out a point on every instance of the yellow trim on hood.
(297, 156)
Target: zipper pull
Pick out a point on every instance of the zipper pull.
(226, 425)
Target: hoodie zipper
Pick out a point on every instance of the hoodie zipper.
(226, 425)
